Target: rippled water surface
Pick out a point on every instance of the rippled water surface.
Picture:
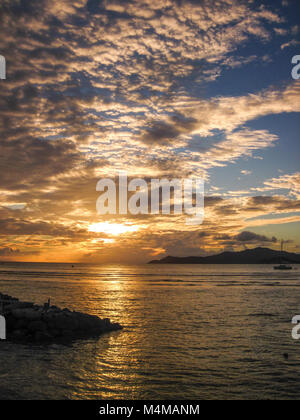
(191, 332)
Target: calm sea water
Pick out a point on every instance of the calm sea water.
(191, 332)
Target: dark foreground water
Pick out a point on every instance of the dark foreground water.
(191, 332)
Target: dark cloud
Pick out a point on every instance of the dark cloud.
(9, 252)
(204, 234)
(251, 237)
(263, 201)
(164, 132)
(272, 203)
(223, 237)
(30, 161)
(227, 210)
(15, 227)
(213, 201)
(242, 239)
(161, 133)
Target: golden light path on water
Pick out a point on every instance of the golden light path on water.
(189, 332)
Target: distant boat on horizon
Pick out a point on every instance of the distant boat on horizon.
(283, 266)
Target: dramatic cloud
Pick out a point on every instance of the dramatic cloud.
(284, 182)
(95, 86)
(9, 252)
(250, 237)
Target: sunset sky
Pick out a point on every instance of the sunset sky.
(158, 88)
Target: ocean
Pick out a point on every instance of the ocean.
(190, 332)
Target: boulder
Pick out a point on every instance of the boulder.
(28, 313)
(43, 336)
(17, 305)
(19, 335)
(27, 322)
(37, 326)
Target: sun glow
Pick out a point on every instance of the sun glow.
(114, 229)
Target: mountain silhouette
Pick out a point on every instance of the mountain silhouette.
(249, 256)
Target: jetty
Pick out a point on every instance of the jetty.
(27, 322)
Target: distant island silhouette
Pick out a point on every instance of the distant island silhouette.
(249, 256)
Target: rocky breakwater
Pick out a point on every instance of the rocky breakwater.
(27, 322)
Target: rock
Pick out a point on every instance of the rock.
(41, 336)
(35, 326)
(28, 313)
(20, 324)
(55, 333)
(19, 335)
(17, 305)
(27, 322)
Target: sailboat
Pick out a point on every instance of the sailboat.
(282, 266)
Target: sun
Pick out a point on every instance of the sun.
(114, 229)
